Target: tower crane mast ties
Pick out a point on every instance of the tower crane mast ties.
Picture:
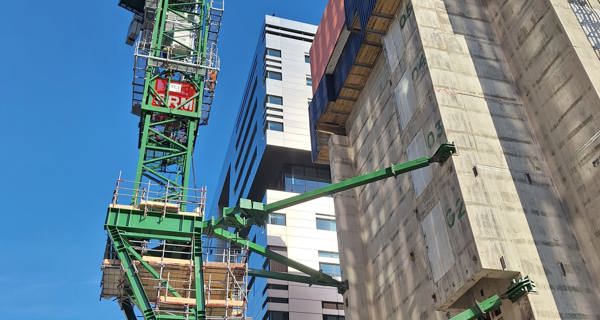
(159, 262)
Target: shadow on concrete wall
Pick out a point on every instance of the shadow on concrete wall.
(554, 239)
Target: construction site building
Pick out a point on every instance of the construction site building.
(269, 159)
(516, 86)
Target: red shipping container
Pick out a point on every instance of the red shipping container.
(179, 94)
(328, 33)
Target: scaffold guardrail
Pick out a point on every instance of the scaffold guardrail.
(154, 197)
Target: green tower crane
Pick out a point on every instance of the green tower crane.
(164, 259)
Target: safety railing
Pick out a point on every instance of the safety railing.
(167, 249)
(181, 44)
(153, 197)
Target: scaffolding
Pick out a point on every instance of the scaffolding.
(164, 265)
(172, 293)
(153, 265)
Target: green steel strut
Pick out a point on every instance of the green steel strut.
(517, 289)
(249, 212)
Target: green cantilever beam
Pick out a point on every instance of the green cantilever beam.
(442, 154)
(249, 212)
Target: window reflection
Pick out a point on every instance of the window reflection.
(300, 179)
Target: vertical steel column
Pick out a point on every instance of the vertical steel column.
(145, 123)
(199, 278)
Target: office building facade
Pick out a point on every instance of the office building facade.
(269, 159)
(515, 86)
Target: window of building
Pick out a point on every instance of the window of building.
(269, 61)
(274, 52)
(274, 125)
(306, 58)
(301, 179)
(278, 300)
(274, 75)
(332, 305)
(308, 81)
(276, 286)
(278, 109)
(326, 224)
(332, 269)
(278, 315)
(276, 116)
(273, 66)
(274, 99)
(333, 317)
(277, 219)
(329, 254)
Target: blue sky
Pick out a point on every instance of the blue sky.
(67, 132)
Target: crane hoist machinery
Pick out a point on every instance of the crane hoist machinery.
(164, 259)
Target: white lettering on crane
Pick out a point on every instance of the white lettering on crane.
(174, 102)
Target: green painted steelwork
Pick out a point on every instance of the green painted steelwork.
(134, 220)
(517, 289)
(199, 311)
(149, 268)
(135, 223)
(173, 48)
(168, 127)
(135, 282)
(314, 276)
(284, 276)
(441, 155)
(249, 212)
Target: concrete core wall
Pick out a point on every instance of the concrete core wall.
(558, 75)
(436, 240)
